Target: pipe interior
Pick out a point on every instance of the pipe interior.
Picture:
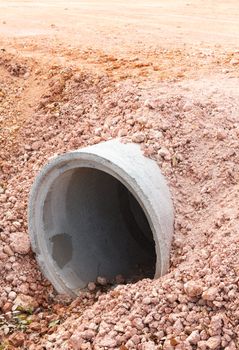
(94, 226)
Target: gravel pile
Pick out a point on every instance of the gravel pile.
(192, 130)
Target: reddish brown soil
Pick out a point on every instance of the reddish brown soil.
(77, 74)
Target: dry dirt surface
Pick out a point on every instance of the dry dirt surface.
(164, 74)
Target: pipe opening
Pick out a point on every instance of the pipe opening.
(94, 226)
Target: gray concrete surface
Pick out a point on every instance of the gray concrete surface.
(100, 211)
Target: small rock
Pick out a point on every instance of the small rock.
(3, 256)
(119, 328)
(122, 132)
(178, 327)
(107, 342)
(17, 339)
(147, 301)
(142, 120)
(231, 346)
(76, 341)
(188, 106)
(93, 326)
(202, 345)
(86, 346)
(20, 243)
(102, 281)
(216, 325)
(7, 307)
(214, 342)
(234, 61)
(171, 297)
(210, 294)
(35, 326)
(149, 104)
(193, 289)
(138, 323)
(221, 135)
(91, 286)
(63, 299)
(28, 147)
(23, 288)
(8, 289)
(204, 253)
(148, 346)
(5, 329)
(37, 145)
(194, 337)
(88, 334)
(138, 138)
(164, 153)
(12, 295)
(25, 301)
(7, 250)
(215, 261)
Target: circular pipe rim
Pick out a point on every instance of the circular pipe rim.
(46, 177)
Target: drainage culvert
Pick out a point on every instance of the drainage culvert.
(103, 210)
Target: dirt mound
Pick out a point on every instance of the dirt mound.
(192, 130)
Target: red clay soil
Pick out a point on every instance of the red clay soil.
(181, 103)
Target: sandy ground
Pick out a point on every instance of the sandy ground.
(163, 72)
(84, 32)
(121, 25)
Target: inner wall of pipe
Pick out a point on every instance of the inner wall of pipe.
(95, 227)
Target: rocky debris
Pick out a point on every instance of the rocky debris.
(20, 243)
(91, 286)
(164, 153)
(210, 294)
(193, 338)
(25, 302)
(138, 138)
(193, 288)
(63, 299)
(213, 342)
(102, 281)
(191, 130)
(17, 339)
(6, 307)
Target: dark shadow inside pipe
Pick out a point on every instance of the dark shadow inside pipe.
(96, 227)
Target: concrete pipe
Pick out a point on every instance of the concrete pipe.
(103, 210)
